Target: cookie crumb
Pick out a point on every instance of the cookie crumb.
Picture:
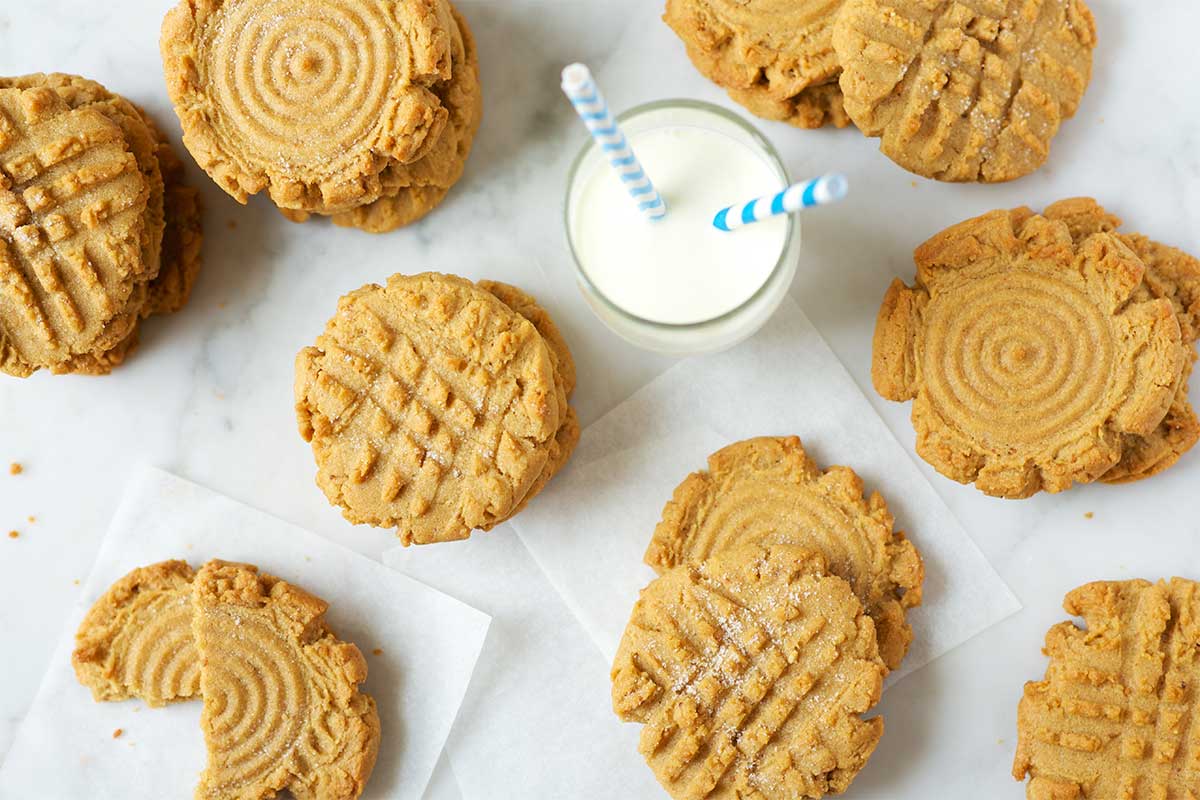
(377, 651)
(914, 184)
(75, 582)
(32, 519)
(1089, 515)
(15, 468)
(117, 733)
(14, 534)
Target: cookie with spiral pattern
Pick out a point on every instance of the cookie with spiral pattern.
(73, 231)
(307, 101)
(973, 90)
(1171, 274)
(769, 491)
(431, 407)
(1113, 716)
(410, 191)
(136, 640)
(750, 673)
(1026, 352)
(283, 710)
(567, 436)
(775, 57)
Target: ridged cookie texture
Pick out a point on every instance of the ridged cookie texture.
(750, 673)
(136, 641)
(1173, 275)
(1026, 353)
(775, 57)
(410, 191)
(769, 491)
(431, 407)
(567, 436)
(72, 231)
(307, 101)
(282, 705)
(1115, 715)
(972, 90)
(171, 236)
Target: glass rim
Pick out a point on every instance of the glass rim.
(773, 158)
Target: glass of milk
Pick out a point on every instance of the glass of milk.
(679, 285)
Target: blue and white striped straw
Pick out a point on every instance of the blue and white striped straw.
(585, 95)
(817, 192)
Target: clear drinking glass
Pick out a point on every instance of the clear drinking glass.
(719, 332)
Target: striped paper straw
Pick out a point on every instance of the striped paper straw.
(817, 192)
(585, 95)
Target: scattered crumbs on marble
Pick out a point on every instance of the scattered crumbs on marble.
(914, 184)
(377, 651)
(1089, 515)
(75, 582)
(219, 395)
(117, 733)
(32, 519)
(14, 534)
(999, 741)
(308, 558)
(188, 546)
(15, 468)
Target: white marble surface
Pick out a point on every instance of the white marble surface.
(209, 395)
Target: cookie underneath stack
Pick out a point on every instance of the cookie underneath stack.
(436, 406)
(955, 92)
(97, 229)
(1113, 716)
(368, 121)
(282, 707)
(779, 609)
(1043, 351)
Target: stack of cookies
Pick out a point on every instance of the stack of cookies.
(97, 229)
(1044, 350)
(436, 406)
(956, 92)
(363, 112)
(779, 609)
(282, 705)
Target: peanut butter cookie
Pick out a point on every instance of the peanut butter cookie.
(964, 91)
(136, 641)
(769, 491)
(1026, 352)
(775, 57)
(1113, 715)
(750, 673)
(307, 101)
(431, 406)
(1171, 274)
(282, 705)
(73, 231)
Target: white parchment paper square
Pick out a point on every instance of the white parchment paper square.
(429, 643)
(537, 721)
(590, 527)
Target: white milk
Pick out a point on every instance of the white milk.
(680, 269)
